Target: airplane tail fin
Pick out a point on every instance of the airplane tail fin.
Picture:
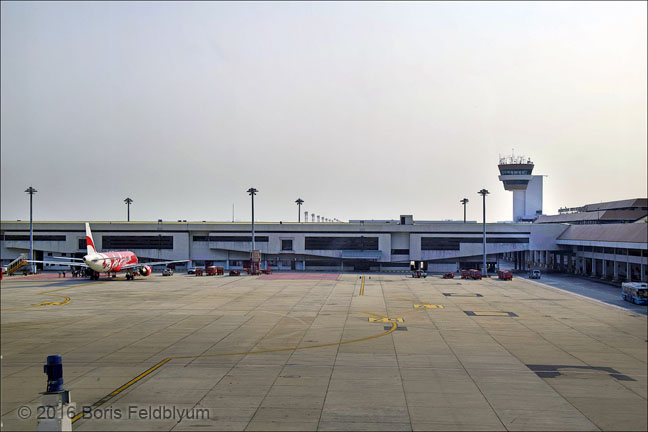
(89, 242)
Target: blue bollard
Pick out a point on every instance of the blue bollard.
(54, 371)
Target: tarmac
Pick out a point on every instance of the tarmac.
(352, 352)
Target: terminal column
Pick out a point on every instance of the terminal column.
(615, 270)
(593, 268)
(628, 274)
(604, 269)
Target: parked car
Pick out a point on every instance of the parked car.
(167, 272)
(535, 274)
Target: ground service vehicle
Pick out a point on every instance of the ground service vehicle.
(505, 275)
(475, 274)
(465, 274)
(535, 274)
(191, 270)
(448, 276)
(419, 274)
(199, 271)
(167, 272)
(635, 292)
(214, 270)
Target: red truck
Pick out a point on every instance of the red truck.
(475, 274)
(505, 275)
(214, 270)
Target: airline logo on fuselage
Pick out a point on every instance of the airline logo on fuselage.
(110, 261)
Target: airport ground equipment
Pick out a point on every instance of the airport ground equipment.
(255, 267)
(505, 275)
(475, 274)
(268, 270)
(199, 272)
(235, 273)
(448, 276)
(214, 270)
(465, 274)
(14, 265)
(419, 274)
(535, 274)
(56, 411)
(635, 292)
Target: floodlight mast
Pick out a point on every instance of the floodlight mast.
(31, 191)
(128, 202)
(464, 202)
(252, 191)
(483, 193)
(299, 203)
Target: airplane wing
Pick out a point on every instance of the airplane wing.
(141, 264)
(63, 263)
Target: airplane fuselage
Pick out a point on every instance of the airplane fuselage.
(108, 262)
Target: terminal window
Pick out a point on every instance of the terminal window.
(286, 245)
(37, 237)
(238, 239)
(452, 243)
(341, 243)
(137, 242)
(400, 252)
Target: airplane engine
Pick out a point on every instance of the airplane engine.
(145, 271)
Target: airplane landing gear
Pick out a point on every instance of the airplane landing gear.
(130, 276)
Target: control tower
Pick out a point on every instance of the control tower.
(515, 173)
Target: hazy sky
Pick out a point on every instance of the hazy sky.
(364, 110)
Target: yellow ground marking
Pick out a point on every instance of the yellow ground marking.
(115, 392)
(417, 307)
(384, 320)
(57, 303)
(362, 287)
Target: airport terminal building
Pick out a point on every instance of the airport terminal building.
(612, 251)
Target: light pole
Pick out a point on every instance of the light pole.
(483, 193)
(252, 192)
(299, 203)
(128, 202)
(31, 191)
(464, 202)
